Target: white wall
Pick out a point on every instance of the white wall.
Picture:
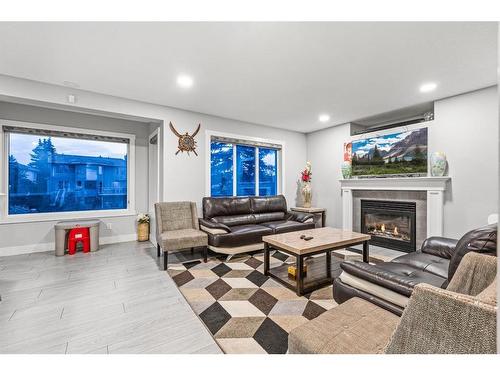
(184, 176)
(465, 128)
(325, 152)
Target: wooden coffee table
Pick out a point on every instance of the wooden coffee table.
(318, 273)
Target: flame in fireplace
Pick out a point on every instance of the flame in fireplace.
(396, 233)
(382, 228)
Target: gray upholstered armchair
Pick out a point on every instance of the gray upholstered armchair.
(460, 319)
(177, 228)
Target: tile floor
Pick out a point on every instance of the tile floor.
(116, 300)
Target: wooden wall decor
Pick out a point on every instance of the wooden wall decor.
(186, 141)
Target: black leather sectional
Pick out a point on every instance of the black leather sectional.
(390, 284)
(236, 225)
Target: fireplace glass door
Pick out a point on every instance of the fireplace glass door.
(390, 223)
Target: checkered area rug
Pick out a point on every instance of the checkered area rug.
(245, 311)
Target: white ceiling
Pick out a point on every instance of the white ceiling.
(278, 74)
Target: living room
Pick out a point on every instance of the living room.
(250, 188)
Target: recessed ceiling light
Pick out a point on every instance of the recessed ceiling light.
(184, 81)
(428, 87)
(324, 118)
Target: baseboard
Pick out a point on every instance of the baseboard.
(26, 249)
(50, 246)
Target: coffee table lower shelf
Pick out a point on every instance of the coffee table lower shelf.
(318, 252)
(315, 278)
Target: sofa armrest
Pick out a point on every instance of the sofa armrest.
(213, 227)
(301, 217)
(377, 275)
(439, 246)
(438, 321)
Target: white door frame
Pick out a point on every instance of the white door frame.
(152, 200)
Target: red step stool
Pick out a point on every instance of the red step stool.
(76, 235)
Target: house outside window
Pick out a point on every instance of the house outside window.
(244, 168)
(54, 172)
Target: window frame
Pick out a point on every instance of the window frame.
(6, 218)
(257, 169)
(280, 162)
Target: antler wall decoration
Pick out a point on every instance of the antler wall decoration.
(186, 141)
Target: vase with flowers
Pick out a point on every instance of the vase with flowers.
(306, 186)
(142, 227)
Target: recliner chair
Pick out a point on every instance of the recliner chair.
(390, 284)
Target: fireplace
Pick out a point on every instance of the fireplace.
(390, 223)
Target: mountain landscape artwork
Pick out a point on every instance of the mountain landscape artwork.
(403, 153)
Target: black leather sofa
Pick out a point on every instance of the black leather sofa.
(236, 225)
(390, 284)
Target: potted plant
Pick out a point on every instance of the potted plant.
(142, 227)
(306, 186)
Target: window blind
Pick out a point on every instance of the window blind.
(58, 133)
(237, 141)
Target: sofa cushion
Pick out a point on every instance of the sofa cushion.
(398, 277)
(425, 262)
(232, 220)
(183, 239)
(213, 207)
(439, 246)
(284, 226)
(269, 216)
(354, 327)
(240, 235)
(268, 204)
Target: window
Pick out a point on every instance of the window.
(243, 168)
(268, 159)
(221, 173)
(52, 171)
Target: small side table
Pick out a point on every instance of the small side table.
(313, 210)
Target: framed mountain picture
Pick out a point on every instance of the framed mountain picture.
(396, 154)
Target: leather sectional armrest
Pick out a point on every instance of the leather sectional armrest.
(380, 276)
(439, 246)
(213, 227)
(301, 217)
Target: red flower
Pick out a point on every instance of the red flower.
(306, 176)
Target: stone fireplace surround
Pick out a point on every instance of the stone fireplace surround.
(427, 192)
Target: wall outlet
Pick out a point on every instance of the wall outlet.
(109, 226)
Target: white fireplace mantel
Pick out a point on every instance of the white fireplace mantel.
(434, 186)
